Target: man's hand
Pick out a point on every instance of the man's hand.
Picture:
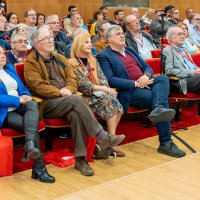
(143, 82)
(65, 92)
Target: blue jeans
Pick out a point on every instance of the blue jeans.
(151, 98)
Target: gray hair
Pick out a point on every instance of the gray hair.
(35, 35)
(14, 36)
(50, 17)
(99, 25)
(170, 32)
(110, 31)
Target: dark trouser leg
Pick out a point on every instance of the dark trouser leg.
(143, 98)
(24, 119)
(193, 84)
(80, 116)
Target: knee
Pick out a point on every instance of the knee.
(32, 105)
(162, 78)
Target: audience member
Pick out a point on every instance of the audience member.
(141, 41)
(135, 12)
(119, 18)
(188, 45)
(168, 10)
(156, 25)
(92, 83)
(149, 16)
(40, 19)
(101, 43)
(175, 17)
(194, 29)
(49, 76)
(72, 10)
(19, 48)
(98, 15)
(189, 12)
(18, 111)
(104, 9)
(30, 20)
(23, 30)
(12, 20)
(136, 86)
(60, 36)
(180, 64)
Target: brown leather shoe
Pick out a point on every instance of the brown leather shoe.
(117, 153)
(83, 166)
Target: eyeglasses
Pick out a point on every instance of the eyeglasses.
(54, 23)
(119, 34)
(21, 42)
(31, 15)
(47, 39)
(135, 20)
(180, 34)
(197, 19)
(74, 10)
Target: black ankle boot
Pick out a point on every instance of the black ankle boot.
(30, 150)
(42, 174)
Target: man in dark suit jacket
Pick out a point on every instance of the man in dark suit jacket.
(19, 48)
(127, 71)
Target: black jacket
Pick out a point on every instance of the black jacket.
(130, 42)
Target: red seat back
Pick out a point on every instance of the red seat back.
(155, 53)
(155, 64)
(196, 58)
(20, 71)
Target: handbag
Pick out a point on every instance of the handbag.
(6, 155)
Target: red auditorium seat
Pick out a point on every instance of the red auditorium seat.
(49, 123)
(155, 53)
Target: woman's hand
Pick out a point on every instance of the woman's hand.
(108, 90)
(26, 97)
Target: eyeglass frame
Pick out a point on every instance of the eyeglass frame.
(50, 37)
(21, 42)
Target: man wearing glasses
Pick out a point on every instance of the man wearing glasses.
(30, 20)
(194, 29)
(50, 77)
(137, 87)
(19, 48)
(180, 64)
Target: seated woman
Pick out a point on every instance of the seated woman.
(19, 49)
(18, 111)
(93, 84)
(188, 45)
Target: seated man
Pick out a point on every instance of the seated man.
(100, 43)
(50, 77)
(127, 71)
(179, 63)
(141, 41)
(19, 48)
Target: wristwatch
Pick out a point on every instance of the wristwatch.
(149, 75)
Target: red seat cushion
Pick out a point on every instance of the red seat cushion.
(155, 64)
(13, 133)
(135, 110)
(196, 58)
(56, 123)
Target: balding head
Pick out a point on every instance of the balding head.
(135, 11)
(132, 23)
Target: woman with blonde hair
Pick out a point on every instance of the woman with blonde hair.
(93, 84)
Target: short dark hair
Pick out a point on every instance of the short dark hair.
(26, 12)
(117, 12)
(37, 17)
(97, 13)
(8, 16)
(169, 7)
(103, 7)
(71, 7)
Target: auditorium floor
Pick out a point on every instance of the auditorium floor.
(140, 155)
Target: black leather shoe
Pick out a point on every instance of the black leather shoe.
(83, 166)
(161, 114)
(30, 150)
(42, 174)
